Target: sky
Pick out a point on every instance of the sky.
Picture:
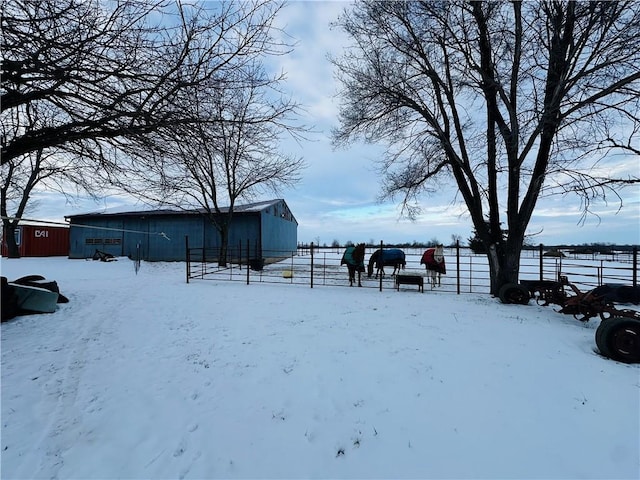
(141, 375)
(337, 198)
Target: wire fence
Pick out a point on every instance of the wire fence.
(466, 272)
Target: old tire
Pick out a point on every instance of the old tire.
(618, 338)
(514, 293)
(602, 332)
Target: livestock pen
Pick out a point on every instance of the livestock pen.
(466, 272)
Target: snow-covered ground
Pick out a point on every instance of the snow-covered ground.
(145, 376)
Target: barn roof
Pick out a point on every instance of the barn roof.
(148, 210)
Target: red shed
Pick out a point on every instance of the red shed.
(40, 241)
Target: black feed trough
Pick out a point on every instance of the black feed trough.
(256, 264)
(410, 280)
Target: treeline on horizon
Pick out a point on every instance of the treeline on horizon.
(583, 248)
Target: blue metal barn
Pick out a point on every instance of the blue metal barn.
(268, 228)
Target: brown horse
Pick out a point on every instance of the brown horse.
(353, 258)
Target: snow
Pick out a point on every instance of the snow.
(145, 376)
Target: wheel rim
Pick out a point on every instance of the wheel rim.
(626, 343)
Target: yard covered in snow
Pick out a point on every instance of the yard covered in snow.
(145, 376)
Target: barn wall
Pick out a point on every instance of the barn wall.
(135, 236)
(244, 228)
(269, 233)
(175, 227)
(245, 233)
(279, 232)
(136, 233)
(85, 240)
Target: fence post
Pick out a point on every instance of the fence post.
(380, 260)
(291, 279)
(248, 260)
(634, 273)
(458, 266)
(541, 263)
(311, 264)
(601, 273)
(186, 240)
(560, 271)
(324, 267)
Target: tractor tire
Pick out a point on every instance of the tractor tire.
(602, 332)
(618, 338)
(514, 293)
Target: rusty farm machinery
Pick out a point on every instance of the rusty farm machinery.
(618, 335)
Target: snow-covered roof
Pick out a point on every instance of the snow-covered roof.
(149, 210)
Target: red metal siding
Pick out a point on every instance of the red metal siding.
(37, 241)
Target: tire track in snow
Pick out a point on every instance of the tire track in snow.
(64, 428)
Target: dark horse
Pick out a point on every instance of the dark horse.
(353, 258)
(391, 257)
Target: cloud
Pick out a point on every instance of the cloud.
(336, 198)
(309, 74)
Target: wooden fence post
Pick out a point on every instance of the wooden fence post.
(311, 264)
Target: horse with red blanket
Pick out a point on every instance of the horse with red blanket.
(433, 260)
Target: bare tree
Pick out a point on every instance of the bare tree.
(232, 154)
(50, 170)
(53, 169)
(105, 76)
(511, 100)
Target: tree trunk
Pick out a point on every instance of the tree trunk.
(224, 244)
(10, 238)
(504, 266)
